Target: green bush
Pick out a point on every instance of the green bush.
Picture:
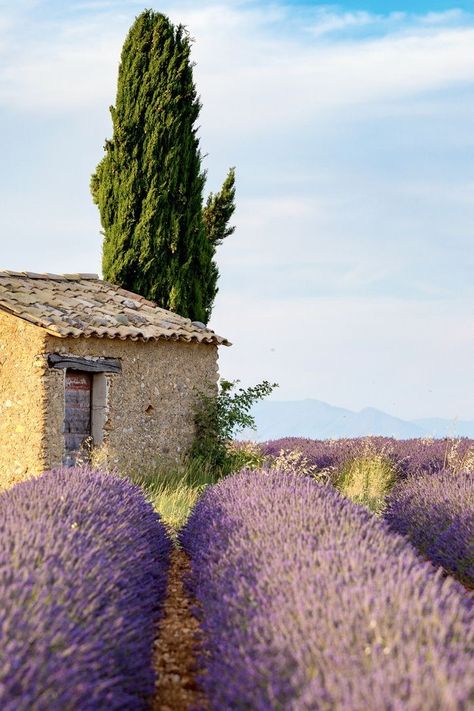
(219, 417)
(174, 488)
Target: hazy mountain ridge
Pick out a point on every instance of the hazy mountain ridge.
(319, 420)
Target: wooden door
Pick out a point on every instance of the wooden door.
(77, 412)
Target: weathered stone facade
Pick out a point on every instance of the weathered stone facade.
(148, 406)
(22, 399)
(144, 412)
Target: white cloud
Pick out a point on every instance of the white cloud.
(72, 72)
(249, 72)
(294, 86)
(328, 21)
(441, 18)
(354, 236)
(266, 223)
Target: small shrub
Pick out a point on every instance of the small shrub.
(244, 455)
(218, 417)
(459, 456)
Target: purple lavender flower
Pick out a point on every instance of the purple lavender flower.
(410, 457)
(83, 560)
(436, 512)
(309, 602)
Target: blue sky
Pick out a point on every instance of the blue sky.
(383, 7)
(349, 277)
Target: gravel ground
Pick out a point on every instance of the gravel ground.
(176, 646)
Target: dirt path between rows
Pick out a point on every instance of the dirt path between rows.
(176, 646)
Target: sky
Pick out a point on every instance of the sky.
(349, 278)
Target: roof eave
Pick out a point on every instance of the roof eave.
(206, 340)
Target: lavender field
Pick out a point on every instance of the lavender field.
(408, 457)
(424, 489)
(236, 348)
(310, 602)
(331, 575)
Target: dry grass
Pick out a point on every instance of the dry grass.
(173, 489)
(458, 460)
(368, 479)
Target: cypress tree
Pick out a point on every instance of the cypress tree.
(159, 241)
(218, 211)
(216, 215)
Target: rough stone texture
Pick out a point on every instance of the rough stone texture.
(22, 399)
(149, 404)
(148, 407)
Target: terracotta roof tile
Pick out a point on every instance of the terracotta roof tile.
(83, 305)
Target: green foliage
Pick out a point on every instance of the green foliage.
(174, 489)
(218, 211)
(248, 455)
(367, 480)
(158, 239)
(216, 216)
(219, 417)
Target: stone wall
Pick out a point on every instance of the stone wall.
(22, 399)
(144, 412)
(148, 406)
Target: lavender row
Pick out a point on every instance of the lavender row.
(409, 457)
(83, 560)
(309, 602)
(437, 515)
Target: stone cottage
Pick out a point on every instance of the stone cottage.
(84, 362)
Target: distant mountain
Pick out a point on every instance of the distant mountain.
(319, 420)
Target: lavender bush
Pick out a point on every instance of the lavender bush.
(83, 563)
(409, 457)
(431, 456)
(309, 602)
(327, 455)
(437, 514)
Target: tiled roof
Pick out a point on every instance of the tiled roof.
(83, 305)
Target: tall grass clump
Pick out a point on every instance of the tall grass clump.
(368, 478)
(459, 456)
(309, 602)
(83, 564)
(174, 488)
